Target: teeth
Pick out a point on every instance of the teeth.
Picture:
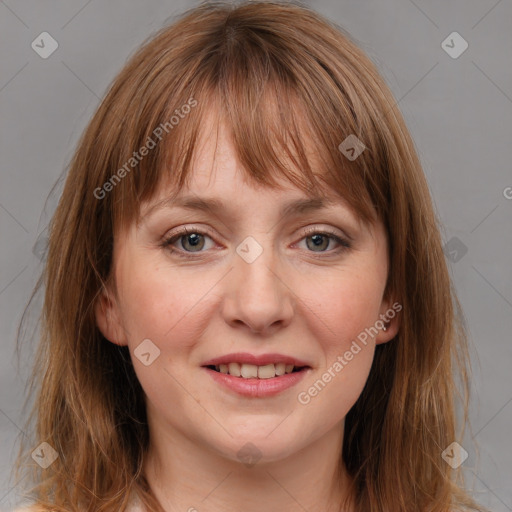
(266, 372)
(251, 371)
(234, 369)
(280, 369)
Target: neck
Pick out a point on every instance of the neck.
(184, 475)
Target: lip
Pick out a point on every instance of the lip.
(258, 360)
(257, 388)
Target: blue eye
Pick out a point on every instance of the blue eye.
(318, 237)
(193, 241)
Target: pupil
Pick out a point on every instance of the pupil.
(193, 240)
(318, 240)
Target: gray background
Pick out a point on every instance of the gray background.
(458, 110)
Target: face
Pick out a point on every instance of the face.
(251, 288)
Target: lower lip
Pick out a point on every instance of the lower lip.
(258, 388)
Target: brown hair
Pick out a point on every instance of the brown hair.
(279, 74)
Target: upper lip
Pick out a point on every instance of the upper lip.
(258, 360)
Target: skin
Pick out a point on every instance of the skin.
(294, 299)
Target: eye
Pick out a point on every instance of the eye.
(320, 239)
(192, 240)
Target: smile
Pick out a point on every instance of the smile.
(252, 371)
(256, 376)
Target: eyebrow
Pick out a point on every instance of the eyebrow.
(216, 206)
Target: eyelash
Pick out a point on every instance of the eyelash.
(167, 242)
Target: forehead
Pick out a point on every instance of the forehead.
(215, 169)
(217, 182)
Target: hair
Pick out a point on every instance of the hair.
(279, 74)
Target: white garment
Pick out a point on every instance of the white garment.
(135, 505)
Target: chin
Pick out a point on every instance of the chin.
(258, 447)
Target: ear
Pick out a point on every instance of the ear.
(108, 318)
(389, 321)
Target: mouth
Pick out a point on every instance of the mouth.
(252, 371)
(256, 375)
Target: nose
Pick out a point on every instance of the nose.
(258, 296)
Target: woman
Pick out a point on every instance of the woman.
(247, 303)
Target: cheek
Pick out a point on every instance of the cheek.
(170, 308)
(341, 312)
(340, 308)
(348, 308)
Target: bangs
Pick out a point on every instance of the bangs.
(286, 113)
